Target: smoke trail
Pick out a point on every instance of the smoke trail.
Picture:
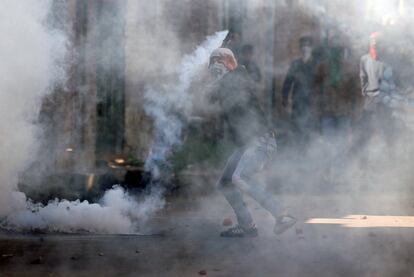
(170, 106)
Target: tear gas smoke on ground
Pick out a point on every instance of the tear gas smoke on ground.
(29, 75)
(117, 213)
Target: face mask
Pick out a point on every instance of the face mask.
(306, 53)
(218, 70)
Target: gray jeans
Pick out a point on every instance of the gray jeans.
(239, 176)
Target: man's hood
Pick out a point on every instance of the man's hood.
(226, 56)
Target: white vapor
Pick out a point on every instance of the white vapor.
(171, 105)
(29, 54)
(33, 58)
(117, 213)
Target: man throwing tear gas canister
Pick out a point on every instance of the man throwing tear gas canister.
(246, 123)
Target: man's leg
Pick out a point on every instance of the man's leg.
(233, 193)
(252, 162)
(364, 132)
(390, 129)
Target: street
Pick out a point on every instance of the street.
(184, 240)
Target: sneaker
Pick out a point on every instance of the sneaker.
(283, 223)
(240, 232)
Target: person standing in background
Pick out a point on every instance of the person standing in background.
(338, 87)
(300, 83)
(378, 87)
(247, 60)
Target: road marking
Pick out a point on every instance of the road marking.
(367, 221)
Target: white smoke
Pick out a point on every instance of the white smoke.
(171, 105)
(29, 53)
(117, 213)
(27, 76)
(32, 62)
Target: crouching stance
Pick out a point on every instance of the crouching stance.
(246, 123)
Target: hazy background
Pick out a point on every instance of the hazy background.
(84, 82)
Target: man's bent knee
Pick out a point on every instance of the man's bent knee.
(240, 181)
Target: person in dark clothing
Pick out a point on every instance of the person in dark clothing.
(301, 79)
(233, 41)
(339, 84)
(248, 62)
(246, 122)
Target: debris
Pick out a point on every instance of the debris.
(74, 258)
(364, 217)
(216, 269)
(38, 260)
(137, 251)
(371, 234)
(202, 272)
(101, 254)
(299, 231)
(227, 222)
(7, 256)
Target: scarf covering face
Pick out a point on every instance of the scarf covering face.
(372, 45)
(218, 70)
(224, 56)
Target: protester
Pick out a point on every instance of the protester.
(255, 144)
(378, 89)
(247, 61)
(300, 81)
(337, 81)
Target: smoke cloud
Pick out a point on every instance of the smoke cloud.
(30, 54)
(28, 76)
(33, 56)
(117, 213)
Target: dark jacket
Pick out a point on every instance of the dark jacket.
(253, 70)
(338, 84)
(301, 79)
(240, 108)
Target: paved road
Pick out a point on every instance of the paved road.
(190, 246)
